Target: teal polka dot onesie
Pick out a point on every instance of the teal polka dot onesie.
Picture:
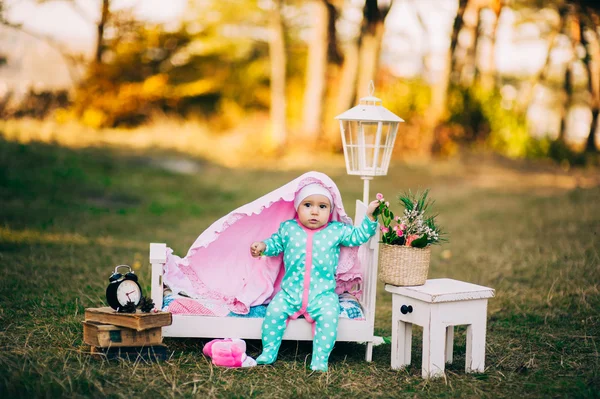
(308, 285)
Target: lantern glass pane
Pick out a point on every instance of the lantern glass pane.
(367, 136)
(388, 139)
(368, 146)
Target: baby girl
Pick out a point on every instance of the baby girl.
(311, 247)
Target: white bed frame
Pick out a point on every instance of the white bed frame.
(195, 326)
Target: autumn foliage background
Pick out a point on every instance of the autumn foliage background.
(274, 76)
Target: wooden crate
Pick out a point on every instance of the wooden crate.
(108, 335)
(132, 353)
(138, 321)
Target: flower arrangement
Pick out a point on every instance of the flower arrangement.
(415, 228)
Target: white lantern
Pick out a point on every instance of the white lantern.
(368, 136)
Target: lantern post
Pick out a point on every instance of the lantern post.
(368, 135)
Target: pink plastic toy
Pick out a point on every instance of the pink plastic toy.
(228, 353)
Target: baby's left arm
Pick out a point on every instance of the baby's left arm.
(353, 236)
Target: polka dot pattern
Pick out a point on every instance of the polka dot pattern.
(323, 303)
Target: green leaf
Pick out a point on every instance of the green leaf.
(420, 242)
(384, 239)
(376, 212)
(398, 240)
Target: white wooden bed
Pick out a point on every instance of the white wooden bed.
(196, 326)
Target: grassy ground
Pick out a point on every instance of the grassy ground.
(68, 216)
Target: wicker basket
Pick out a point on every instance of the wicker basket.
(400, 265)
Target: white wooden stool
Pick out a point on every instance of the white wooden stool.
(438, 306)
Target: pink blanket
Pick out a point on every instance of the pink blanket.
(218, 266)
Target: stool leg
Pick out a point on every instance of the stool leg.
(401, 340)
(449, 343)
(475, 356)
(434, 342)
(369, 352)
(407, 342)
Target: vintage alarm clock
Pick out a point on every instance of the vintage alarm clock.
(123, 289)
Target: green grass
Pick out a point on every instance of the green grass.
(68, 216)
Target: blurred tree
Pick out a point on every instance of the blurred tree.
(580, 24)
(361, 56)
(486, 74)
(555, 31)
(569, 29)
(131, 80)
(278, 59)
(316, 69)
(464, 55)
(467, 33)
(72, 61)
(3, 19)
(217, 60)
(104, 6)
(438, 108)
(371, 35)
(323, 52)
(589, 23)
(104, 16)
(457, 27)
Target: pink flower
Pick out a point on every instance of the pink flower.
(385, 230)
(379, 196)
(399, 232)
(398, 219)
(402, 226)
(410, 239)
(396, 228)
(387, 204)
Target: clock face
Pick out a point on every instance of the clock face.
(128, 291)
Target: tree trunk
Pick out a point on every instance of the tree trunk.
(568, 92)
(100, 29)
(335, 68)
(346, 91)
(465, 56)
(439, 87)
(571, 28)
(347, 86)
(369, 59)
(486, 77)
(358, 61)
(456, 28)
(541, 75)
(316, 70)
(591, 144)
(592, 66)
(470, 69)
(278, 77)
(372, 32)
(362, 55)
(426, 33)
(334, 54)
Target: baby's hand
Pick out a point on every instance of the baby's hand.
(371, 208)
(257, 248)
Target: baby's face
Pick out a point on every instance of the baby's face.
(314, 211)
